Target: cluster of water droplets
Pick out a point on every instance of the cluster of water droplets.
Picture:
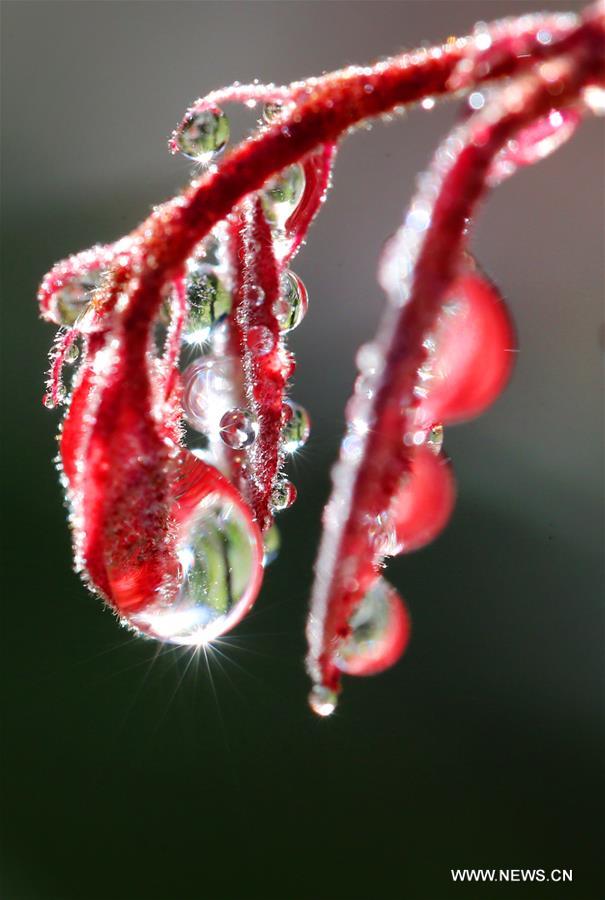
(223, 423)
(211, 393)
(217, 545)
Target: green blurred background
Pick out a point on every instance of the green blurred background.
(132, 773)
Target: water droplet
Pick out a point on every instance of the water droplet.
(471, 361)
(425, 500)
(271, 543)
(323, 700)
(476, 100)
(90, 320)
(483, 39)
(379, 632)
(207, 392)
(434, 439)
(209, 300)
(73, 298)
(282, 194)
(365, 385)
(283, 495)
(291, 307)
(544, 36)
(295, 432)
(217, 558)
(370, 359)
(204, 134)
(260, 340)
(61, 396)
(257, 296)
(534, 143)
(209, 251)
(382, 534)
(238, 429)
(418, 218)
(72, 354)
(272, 111)
(594, 98)
(352, 446)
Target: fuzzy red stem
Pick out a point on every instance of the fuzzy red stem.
(386, 457)
(120, 440)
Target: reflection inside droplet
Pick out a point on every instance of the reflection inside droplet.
(209, 301)
(282, 194)
(379, 632)
(204, 134)
(216, 556)
(295, 432)
(207, 390)
(238, 429)
(290, 308)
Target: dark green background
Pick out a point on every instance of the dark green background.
(136, 774)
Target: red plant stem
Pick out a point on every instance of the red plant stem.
(317, 168)
(63, 344)
(353, 565)
(334, 104)
(119, 445)
(265, 374)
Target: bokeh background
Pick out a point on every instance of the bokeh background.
(130, 774)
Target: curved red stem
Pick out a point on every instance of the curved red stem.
(121, 441)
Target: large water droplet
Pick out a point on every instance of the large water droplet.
(209, 301)
(282, 194)
(379, 632)
(422, 508)
(472, 359)
(291, 307)
(295, 432)
(71, 300)
(217, 557)
(204, 134)
(207, 392)
(238, 429)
